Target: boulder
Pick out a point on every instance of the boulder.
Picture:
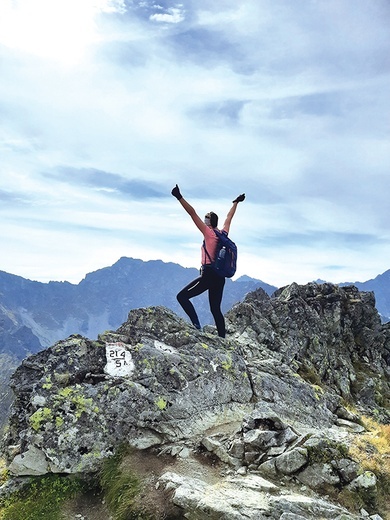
(291, 461)
(366, 481)
(318, 476)
(32, 462)
(75, 410)
(242, 498)
(346, 468)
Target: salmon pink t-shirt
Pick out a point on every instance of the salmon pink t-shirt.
(211, 241)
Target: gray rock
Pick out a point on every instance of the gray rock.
(32, 462)
(265, 432)
(318, 475)
(321, 329)
(274, 451)
(350, 426)
(347, 469)
(268, 468)
(292, 516)
(216, 447)
(251, 456)
(12, 486)
(253, 482)
(344, 413)
(311, 508)
(237, 449)
(263, 417)
(179, 386)
(201, 501)
(260, 440)
(366, 480)
(242, 498)
(288, 436)
(291, 461)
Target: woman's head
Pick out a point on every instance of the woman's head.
(211, 219)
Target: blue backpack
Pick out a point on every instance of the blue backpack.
(225, 263)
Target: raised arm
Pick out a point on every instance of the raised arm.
(230, 215)
(189, 209)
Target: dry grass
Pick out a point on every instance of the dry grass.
(372, 451)
(3, 472)
(372, 448)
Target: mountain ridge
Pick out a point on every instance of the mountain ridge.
(102, 299)
(34, 315)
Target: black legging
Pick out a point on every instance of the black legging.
(211, 281)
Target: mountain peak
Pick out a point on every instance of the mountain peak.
(161, 386)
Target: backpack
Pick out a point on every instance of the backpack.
(225, 263)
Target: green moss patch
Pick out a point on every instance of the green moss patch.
(42, 498)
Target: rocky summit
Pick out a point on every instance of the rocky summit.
(263, 424)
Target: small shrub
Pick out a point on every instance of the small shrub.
(327, 451)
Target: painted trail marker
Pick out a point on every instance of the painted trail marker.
(119, 360)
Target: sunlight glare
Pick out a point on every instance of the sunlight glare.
(53, 29)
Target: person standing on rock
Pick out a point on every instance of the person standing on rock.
(209, 280)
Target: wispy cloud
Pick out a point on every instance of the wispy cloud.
(108, 183)
(106, 105)
(13, 198)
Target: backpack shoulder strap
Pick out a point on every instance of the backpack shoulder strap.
(218, 234)
(205, 250)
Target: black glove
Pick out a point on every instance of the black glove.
(176, 192)
(240, 198)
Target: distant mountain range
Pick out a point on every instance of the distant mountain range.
(34, 315)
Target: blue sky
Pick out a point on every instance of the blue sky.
(106, 104)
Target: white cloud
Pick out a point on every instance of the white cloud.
(173, 15)
(287, 104)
